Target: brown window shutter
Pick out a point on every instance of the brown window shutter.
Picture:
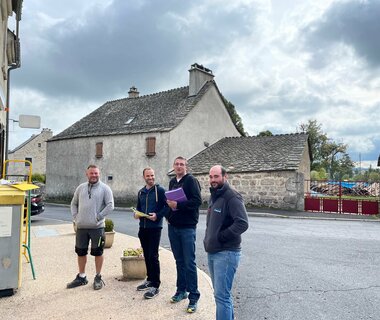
(99, 150)
(150, 146)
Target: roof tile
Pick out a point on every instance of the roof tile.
(157, 112)
(252, 154)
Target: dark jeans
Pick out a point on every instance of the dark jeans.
(182, 242)
(150, 241)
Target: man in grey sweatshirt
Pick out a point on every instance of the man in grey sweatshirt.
(92, 202)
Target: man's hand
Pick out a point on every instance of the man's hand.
(172, 204)
(152, 216)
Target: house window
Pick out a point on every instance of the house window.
(150, 146)
(39, 145)
(129, 120)
(27, 164)
(99, 150)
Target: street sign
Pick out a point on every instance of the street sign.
(32, 122)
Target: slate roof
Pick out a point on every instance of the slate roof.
(157, 112)
(252, 154)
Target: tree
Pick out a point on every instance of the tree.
(370, 175)
(265, 133)
(236, 119)
(327, 153)
(342, 168)
(321, 174)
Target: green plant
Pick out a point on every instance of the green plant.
(108, 225)
(130, 252)
(39, 177)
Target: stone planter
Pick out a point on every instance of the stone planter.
(109, 237)
(133, 267)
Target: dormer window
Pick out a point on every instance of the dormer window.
(129, 120)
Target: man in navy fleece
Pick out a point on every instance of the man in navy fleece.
(226, 220)
(151, 200)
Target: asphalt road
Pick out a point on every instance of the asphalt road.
(292, 268)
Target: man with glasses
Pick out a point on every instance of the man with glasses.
(92, 201)
(182, 222)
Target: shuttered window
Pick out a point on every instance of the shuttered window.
(150, 146)
(99, 150)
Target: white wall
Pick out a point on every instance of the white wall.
(208, 121)
(3, 63)
(123, 158)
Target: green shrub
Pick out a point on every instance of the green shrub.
(39, 177)
(131, 252)
(108, 225)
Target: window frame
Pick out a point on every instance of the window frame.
(99, 150)
(150, 146)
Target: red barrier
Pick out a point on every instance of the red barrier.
(330, 205)
(350, 206)
(312, 204)
(370, 207)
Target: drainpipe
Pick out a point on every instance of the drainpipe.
(12, 67)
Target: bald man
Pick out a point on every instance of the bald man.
(226, 220)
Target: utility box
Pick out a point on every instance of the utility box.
(11, 217)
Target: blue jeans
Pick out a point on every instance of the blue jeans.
(222, 266)
(182, 242)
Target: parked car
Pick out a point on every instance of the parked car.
(37, 204)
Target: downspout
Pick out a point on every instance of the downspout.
(12, 67)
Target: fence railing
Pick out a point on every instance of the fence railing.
(358, 197)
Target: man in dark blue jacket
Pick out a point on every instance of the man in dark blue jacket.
(226, 220)
(182, 222)
(151, 201)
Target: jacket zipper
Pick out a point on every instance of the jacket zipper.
(146, 206)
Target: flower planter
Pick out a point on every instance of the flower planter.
(109, 237)
(133, 267)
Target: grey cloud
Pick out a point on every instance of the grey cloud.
(105, 52)
(354, 23)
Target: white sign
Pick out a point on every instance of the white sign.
(5, 221)
(32, 122)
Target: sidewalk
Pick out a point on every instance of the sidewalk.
(55, 265)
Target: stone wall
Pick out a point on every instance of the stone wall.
(34, 149)
(280, 189)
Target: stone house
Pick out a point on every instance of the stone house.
(33, 150)
(124, 136)
(268, 171)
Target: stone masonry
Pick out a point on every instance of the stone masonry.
(281, 189)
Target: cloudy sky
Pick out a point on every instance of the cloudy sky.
(280, 62)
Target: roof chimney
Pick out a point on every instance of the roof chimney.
(198, 76)
(133, 93)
